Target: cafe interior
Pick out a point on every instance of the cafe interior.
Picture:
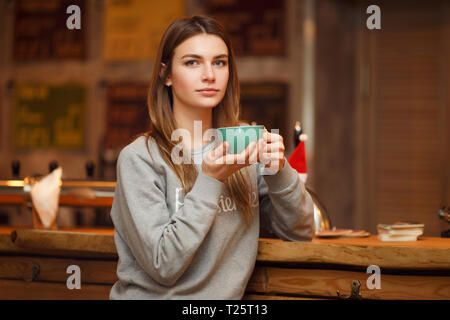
(358, 89)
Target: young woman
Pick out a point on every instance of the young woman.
(191, 230)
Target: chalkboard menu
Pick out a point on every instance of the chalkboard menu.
(49, 116)
(126, 113)
(265, 104)
(256, 27)
(41, 33)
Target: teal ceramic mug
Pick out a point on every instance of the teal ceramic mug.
(239, 138)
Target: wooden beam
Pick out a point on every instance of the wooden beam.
(66, 242)
(55, 269)
(413, 255)
(22, 290)
(325, 283)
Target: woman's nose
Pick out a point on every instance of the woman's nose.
(208, 73)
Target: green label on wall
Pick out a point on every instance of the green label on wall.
(49, 116)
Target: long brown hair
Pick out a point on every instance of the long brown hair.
(225, 114)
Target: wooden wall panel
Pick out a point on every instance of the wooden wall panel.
(22, 290)
(407, 98)
(325, 283)
(335, 73)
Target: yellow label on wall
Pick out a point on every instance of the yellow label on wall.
(133, 28)
(49, 116)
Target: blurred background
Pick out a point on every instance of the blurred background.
(373, 102)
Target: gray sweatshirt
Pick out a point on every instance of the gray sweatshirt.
(195, 246)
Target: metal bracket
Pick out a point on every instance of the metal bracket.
(355, 294)
(35, 273)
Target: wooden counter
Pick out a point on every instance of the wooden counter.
(33, 265)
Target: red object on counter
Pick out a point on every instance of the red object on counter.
(297, 160)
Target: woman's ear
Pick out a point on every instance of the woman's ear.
(168, 81)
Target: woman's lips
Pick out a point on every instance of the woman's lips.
(208, 92)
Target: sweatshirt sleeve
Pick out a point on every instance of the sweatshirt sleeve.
(286, 207)
(163, 245)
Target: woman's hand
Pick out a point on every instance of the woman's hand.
(271, 152)
(220, 165)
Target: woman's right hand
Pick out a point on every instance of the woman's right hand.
(220, 165)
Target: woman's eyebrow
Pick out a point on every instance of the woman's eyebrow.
(196, 56)
(221, 56)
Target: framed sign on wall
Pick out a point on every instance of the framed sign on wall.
(256, 27)
(41, 33)
(126, 113)
(133, 28)
(49, 116)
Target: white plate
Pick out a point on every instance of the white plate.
(333, 233)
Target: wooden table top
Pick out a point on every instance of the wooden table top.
(426, 253)
(422, 242)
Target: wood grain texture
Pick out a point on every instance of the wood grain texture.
(55, 269)
(279, 297)
(425, 254)
(384, 255)
(22, 290)
(5, 242)
(258, 281)
(325, 283)
(372, 241)
(332, 172)
(64, 200)
(311, 272)
(78, 243)
(407, 98)
(13, 199)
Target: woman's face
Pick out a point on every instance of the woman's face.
(199, 73)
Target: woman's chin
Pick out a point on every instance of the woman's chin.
(208, 104)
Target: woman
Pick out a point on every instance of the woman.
(191, 230)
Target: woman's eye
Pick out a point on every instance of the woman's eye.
(221, 63)
(191, 63)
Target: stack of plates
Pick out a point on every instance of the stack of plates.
(342, 233)
(400, 231)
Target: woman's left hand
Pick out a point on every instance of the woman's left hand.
(271, 152)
